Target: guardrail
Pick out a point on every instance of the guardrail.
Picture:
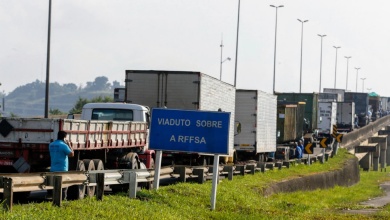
(10, 183)
(25, 182)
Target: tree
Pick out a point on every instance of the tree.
(102, 99)
(77, 109)
(56, 111)
(78, 106)
(100, 83)
(116, 84)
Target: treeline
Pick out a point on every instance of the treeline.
(29, 100)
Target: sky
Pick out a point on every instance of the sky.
(92, 38)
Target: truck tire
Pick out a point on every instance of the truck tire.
(76, 192)
(201, 161)
(89, 166)
(98, 164)
(127, 161)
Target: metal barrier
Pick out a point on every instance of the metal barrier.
(25, 182)
(10, 183)
(354, 138)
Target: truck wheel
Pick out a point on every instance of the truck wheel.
(129, 161)
(201, 161)
(98, 164)
(77, 191)
(89, 165)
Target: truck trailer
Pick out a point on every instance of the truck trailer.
(327, 113)
(310, 114)
(256, 117)
(290, 122)
(108, 135)
(345, 116)
(361, 105)
(182, 90)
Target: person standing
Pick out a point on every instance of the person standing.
(59, 153)
(299, 150)
(300, 145)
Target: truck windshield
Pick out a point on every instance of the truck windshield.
(112, 114)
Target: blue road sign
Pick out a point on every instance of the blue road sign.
(190, 131)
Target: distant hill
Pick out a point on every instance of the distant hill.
(29, 100)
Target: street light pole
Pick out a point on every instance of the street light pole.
(363, 83)
(300, 78)
(238, 28)
(48, 64)
(220, 66)
(227, 59)
(322, 36)
(222, 61)
(357, 73)
(276, 27)
(335, 69)
(346, 82)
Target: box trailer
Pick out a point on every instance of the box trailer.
(361, 105)
(290, 120)
(340, 93)
(311, 100)
(181, 90)
(256, 116)
(345, 116)
(329, 97)
(327, 113)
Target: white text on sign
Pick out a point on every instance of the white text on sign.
(187, 123)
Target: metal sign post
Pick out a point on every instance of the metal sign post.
(157, 170)
(190, 131)
(215, 181)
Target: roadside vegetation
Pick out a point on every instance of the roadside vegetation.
(241, 198)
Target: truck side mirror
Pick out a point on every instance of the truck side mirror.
(237, 128)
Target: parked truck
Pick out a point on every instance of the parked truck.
(339, 92)
(361, 105)
(290, 122)
(327, 113)
(182, 90)
(374, 101)
(256, 117)
(345, 116)
(329, 97)
(310, 114)
(108, 135)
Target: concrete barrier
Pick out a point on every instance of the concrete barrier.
(348, 175)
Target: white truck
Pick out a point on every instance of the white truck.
(181, 90)
(340, 93)
(256, 117)
(108, 135)
(345, 116)
(326, 117)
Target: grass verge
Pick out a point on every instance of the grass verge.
(241, 198)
